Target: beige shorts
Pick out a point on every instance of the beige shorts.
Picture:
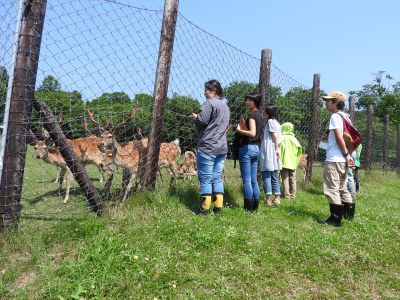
(335, 183)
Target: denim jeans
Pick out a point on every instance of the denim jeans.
(271, 182)
(248, 159)
(209, 169)
(351, 185)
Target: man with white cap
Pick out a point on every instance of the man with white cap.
(337, 162)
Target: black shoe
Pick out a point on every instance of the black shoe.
(248, 204)
(217, 211)
(335, 219)
(349, 210)
(198, 211)
(255, 204)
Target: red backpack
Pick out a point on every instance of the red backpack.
(351, 136)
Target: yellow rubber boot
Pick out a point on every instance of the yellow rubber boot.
(218, 203)
(204, 205)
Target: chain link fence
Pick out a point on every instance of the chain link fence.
(96, 72)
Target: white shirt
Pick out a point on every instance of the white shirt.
(333, 152)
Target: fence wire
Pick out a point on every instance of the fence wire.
(97, 62)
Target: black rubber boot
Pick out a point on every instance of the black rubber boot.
(335, 219)
(204, 205)
(248, 204)
(218, 200)
(255, 204)
(349, 210)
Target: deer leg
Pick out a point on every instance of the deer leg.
(58, 176)
(69, 178)
(129, 186)
(109, 177)
(102, 175)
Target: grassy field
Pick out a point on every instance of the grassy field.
(152, 247)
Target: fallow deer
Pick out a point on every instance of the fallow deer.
(130, 155)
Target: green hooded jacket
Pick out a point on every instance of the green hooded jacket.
(290, 147)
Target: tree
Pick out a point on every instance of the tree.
(70, 104)
(295, 107)
(49, 84)
(177, 122)
(3, 91)
(372, 93)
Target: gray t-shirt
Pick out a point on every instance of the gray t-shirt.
(212, 123)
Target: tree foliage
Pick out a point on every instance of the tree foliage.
(3, 91)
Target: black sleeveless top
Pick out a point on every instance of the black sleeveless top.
(258, 118)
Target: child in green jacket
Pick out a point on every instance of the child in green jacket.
(291, 152)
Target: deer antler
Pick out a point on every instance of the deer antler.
(131, 116)
(31, 138)
(60, 117)
(100, 129)
(85, 126)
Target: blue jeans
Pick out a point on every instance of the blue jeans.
(271, 182)
(351, 185)
(248, 159)
(209, 169)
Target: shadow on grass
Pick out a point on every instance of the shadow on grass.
(301, 212)
(43, 218)
(189, 195)
(54, 193)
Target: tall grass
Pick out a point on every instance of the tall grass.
(153, 247)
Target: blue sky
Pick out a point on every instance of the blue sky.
(345, 41)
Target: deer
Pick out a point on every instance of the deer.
(303, 165)
(130, 155)
(87, 151)
(188, 168)
(52, 156)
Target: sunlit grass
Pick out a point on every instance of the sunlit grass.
(153, 247)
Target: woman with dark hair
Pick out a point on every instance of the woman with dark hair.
(212, 122)
(270, 155)
(250, 130)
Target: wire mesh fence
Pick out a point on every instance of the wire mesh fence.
(96, 72)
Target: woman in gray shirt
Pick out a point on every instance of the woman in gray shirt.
(212, 122)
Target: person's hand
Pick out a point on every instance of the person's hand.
(278, 154)
(350, 162)
(193, 116)
(242, 122)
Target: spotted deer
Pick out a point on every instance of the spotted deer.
(303, 165)
(130, 155)
(87, 151)
(52, 156)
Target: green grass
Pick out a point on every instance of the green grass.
(153, 247)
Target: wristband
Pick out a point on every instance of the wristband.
(345, 155)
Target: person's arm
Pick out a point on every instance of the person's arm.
(276, 140)
(203, 117)
(342, 145)
(250, 132)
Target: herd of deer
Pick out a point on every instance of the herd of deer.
(103, 150)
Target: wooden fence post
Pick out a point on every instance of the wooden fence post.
(368, 152)
(160, 91)
(72, 161)
(20, 110)
(351, 107)
(265, 75)
(385, 140)
(398, 150)
(312, 137)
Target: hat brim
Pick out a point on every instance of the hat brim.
(328, 97)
